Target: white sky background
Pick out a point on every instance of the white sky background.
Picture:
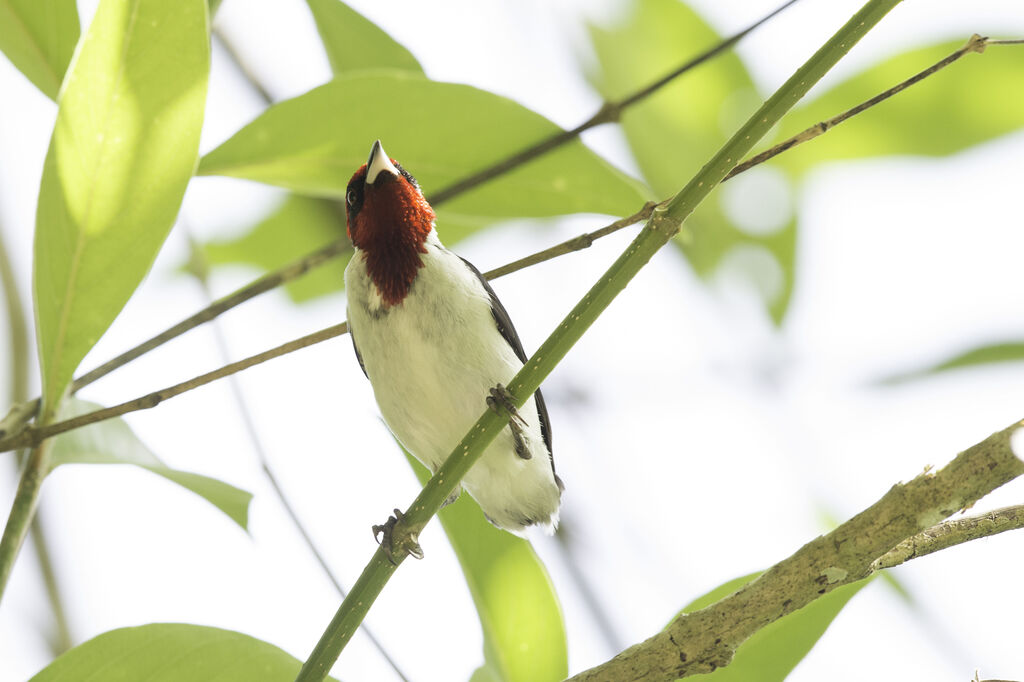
(697, 442)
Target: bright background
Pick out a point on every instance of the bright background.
(697, 440)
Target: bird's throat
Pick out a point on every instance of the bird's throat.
(393, 269)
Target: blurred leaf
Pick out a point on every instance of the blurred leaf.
(39, 36)
(677, 129)
(353, 42)
(772, 652)
(1012, 351)
(298, 226)
(524, 636)
(113, 442)
(313, 144)
(172, 652)
(123, 149)
(944, 114)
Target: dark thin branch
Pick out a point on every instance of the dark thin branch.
(36, 434)
(975, 44)
(608, 113)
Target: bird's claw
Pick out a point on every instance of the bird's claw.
(396, 540)
(500, 401)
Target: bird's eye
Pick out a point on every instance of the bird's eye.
(350, 197)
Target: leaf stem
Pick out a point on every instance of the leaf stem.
(664, 223)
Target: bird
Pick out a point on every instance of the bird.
(437, 345)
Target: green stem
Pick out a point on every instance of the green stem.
(20, 357)
(23, 509)
(665, 223)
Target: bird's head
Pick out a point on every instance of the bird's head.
(383, 198)
(389, 220)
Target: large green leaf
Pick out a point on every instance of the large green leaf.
(113, 442)
(676, 130)
(39, 36)
(123, 149)
(172, 652)
(524, 636)
(772, 652)
(295, 228)
(440, 132)
(973, 100)
(354, 43)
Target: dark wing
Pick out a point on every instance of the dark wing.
(358, 356)
(508, 332)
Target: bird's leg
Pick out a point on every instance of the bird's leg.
(500, 399)
(397, 540)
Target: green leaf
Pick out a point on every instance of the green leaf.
(39, 36)
(524, 636)
(312, 144)
(122, 152)
(1012, 351)
(676, 130)
(941, 115)
(113, 442)
(354, 43)
(772, 652)
(172, 652)
(298, 226)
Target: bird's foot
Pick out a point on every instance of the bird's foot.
(397, 540)
(500, 401)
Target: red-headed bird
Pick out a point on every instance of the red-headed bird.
(434, 340)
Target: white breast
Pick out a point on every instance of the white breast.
(431, 360)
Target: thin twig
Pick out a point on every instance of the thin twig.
(12, 424)
(32, 435)
(199, 268)
(243, 67)
(607, 113)
(954, 532)
(976, 43)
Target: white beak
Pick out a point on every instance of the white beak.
(378, 163)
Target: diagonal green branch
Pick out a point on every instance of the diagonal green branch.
(665, 223)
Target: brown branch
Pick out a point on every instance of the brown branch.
(976, 43)
(699, 642)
